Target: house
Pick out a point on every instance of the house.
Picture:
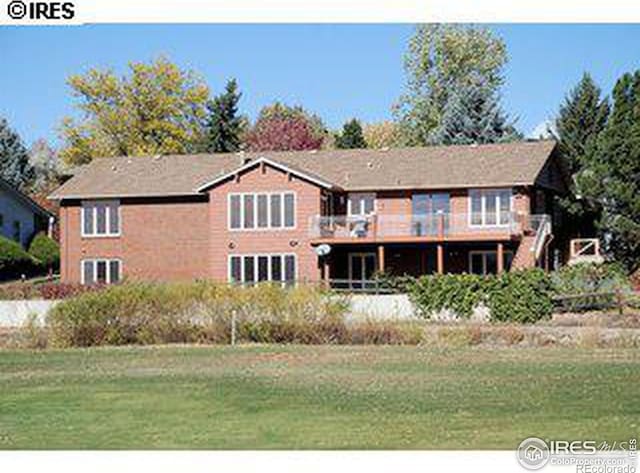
(20, 216)
(313, 215)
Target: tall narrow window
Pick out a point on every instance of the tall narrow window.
(289, 268)
(263, 211)
(234, 211)
(289, 211)
(235, 271)
(249, 269)
(263, 268)
(276, 211)
(248, 210)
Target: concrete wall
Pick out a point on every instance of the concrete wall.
(13, 210)
(16, 313)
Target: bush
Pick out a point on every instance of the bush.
(519, 296)
(46, 251)
(44, 290)
(13, 259)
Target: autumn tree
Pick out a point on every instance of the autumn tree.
(283, 128)
(155, 108)
(440, 59)
(46, 166)
(386, 134)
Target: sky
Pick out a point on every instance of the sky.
(336, 71)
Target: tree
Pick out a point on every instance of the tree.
(581, 118)
(610, 175)
(440, 59)
(351, 137)
(45, 164)
(283, 128)
(385, 134)
(224, 125)
(156, 109)
(14, 159)
(471, 115)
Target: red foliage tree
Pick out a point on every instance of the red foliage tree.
(283, 134)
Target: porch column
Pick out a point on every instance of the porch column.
(381, 258)
(440, 259)
(326, 269)
(500, 258)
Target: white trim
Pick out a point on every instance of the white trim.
(361, 255)
(271, 163)
(255, 195)
(483, 212)
(351, 195)
(255, 256)
(92, 204)
(94, 262)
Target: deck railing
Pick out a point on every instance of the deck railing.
(399, 225)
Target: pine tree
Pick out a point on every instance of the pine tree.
(14, 159)
(224, 125)
(473, 115)
(580, 120)
(610, 176)
(352, 136)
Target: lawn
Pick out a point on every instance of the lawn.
(320, 397)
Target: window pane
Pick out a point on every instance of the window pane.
(368, 203)
(263, 268)
(276, 210)
(477, 263)
(114, 271)
(505, 207)
(87, 271)
(248, 211)
(289, 210)
(101, 272)
(289, 268)
(491, 261)
(248, 269)
(476, 208)
(234, 211)
(490, 217)
(276, 268)
(114, 218)
(236, 274)
(88, 219)
(263, 215)
(101, 219)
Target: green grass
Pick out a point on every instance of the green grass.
(369, 397)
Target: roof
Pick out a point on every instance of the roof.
(25, 199)
(433, 167)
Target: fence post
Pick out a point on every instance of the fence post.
(620, 301)
(233, 327)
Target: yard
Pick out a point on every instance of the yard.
(314, 397)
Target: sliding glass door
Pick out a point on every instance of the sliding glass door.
(428, 211)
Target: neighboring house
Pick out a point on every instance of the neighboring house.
(20, 216)
(312, 215)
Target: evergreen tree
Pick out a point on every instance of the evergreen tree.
(351, 137)
(14, 159)
(473, 114)
(224, 125)
(580, 120)
(610, 176)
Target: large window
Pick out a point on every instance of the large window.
(268, 210)
(100, 218)
(490, 207)
(258, 268)
(430, 213)
(361, 203)
(101, 271)
(486, 262)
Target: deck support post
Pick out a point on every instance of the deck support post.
(326, 270)
(500, 258)
(381, 258)
(440, 258)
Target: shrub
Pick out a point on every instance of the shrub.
(13, 259)
(520, 296)
(46, 251)
(372, 332)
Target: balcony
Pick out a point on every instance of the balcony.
(419, 228)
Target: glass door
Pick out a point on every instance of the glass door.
(362, 267)
(428, 210)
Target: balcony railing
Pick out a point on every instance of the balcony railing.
(443, 225)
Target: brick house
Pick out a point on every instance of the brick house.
(313, 215)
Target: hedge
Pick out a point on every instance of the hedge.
(13, 259)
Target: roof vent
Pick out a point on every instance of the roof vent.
(370, 165)
(384, 148)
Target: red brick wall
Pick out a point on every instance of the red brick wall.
(225, 242)
(160, 241)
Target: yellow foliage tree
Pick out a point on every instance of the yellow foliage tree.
(385, 134)
(156, 108)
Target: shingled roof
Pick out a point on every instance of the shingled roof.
(434, 167)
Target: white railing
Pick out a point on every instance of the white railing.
(400, 225)
(541, 225)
